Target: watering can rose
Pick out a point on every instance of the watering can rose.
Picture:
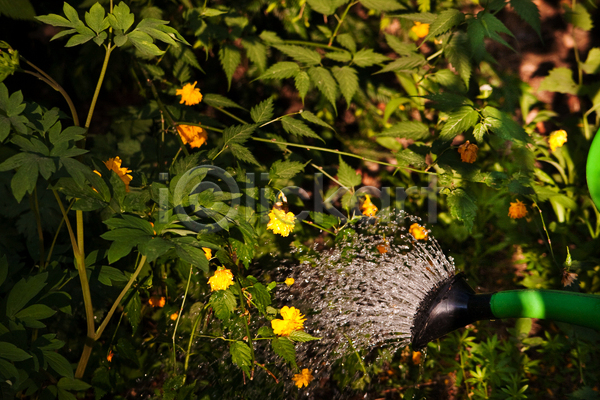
(292, 321)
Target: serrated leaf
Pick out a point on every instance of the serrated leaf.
(462, 206)
(324, 220)
(347, 175)
(445, 21)
(580, 17)
(323, 80)
(458, 122)
(479, 131)
(95, 18)
(341, 56)
(382, 5)
(284, 347)
(503, 125)
(476, 35)
(408, 129)
(302, 82)
(300, 54)
(121, 17)
(592, 63)
(241, 355)
(404, 63)
(223, 303)
(256, 52)
(326, 7)
(133, 308)
(189, 58)
(270, 37)
(529, 12)
(281, 169)
(559, 80)
(493, 26)
(301, 336)
(457, 53)
(237, 133)
(424, 17)
(241, 152)
(281, 70)
(367, 57)
(447, 101)
(310, 117)
(216, 100)
(401, 48)
(298, 128)
(347, 79)
(346, 40)
(409, 157)
(263, 111)
(230, 58)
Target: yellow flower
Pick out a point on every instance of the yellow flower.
(517, 210)
(190, 95)
(221, 280)
(114, 164)
(368, 208)
(418, 231)
(174, 316)
(280, 222)
(292, 321)
(303, 379)
(557, 139)
(194, 135)
(157, 301)
(289, 281)
(207, 253)
(420, 29)
(110, 355)
(416, 357)
(468, 152)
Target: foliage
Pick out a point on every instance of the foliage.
(104, 280)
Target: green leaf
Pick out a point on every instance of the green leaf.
(592, 64)
(298, 128)
(241, 152)
(281, 169)
(348, 80)
(128, 351)
(223, 303)
(58, 363)
(95, 18)
(493, 26)
(445, 21)
(404, 63)
(192, 253)
(479, 131)
(559, 80)
(56, 20)
(133, 308)
(324, 220)
(260, 296)
(458, 122)
(424, 17)
(323, 80)
(237, 133)
(256, 52)
(284, 347)
(367, 57)
(408, 129)
(154, 248)
(108, 275)
(230, 58)
(346, 40)
(263, 111)
(36, 311)
(326, 7)
(476, 35)
(301, 336)
(300, 54)
(216, 100)
(72, 384)
(529, 12)
(401, 48)
(144, 43)
(21, 9)
(382, 5)
(457, 52)
(310, 117)
(503, 125)
(409, 157)
(70, 13)
(241, 355)
(347, 175)
(8, 370)
(3, 270)
(281, 70)
(121, 17)
(23, 291)
(302, 82)
(462, 206)
(12, 353)
(270, 37)
(341, 56)
(580, 17)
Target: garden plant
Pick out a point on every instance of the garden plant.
(162, 162)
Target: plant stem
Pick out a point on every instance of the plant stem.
(343, 153)
(231, 115)
(318, 226)
(187, 288)
(62, 221)
(326, 174)
(66, 219)
(547, 234)
(340, 22)
(189, 348)
(35, 207)
(88, 120)
(281, 117)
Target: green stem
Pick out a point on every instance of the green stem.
(62, 221)
(187, 288)
(249, 337)
(343, 153)
(35, 207)
(340, 22)
(326, 174)
(281, 117)
(360, 360)
(231, 115)
(318, 226)
(189, 348)
(66, 219)
(547, 234)
(88, 120)
(50, 81)
(208, 128)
